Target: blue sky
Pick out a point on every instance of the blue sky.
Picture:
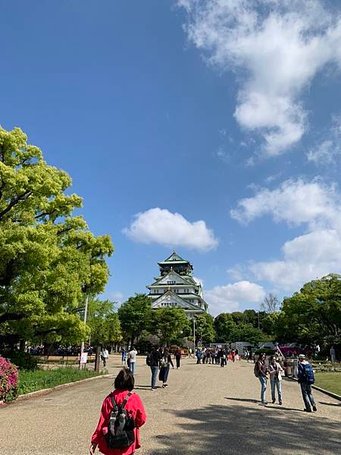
(212, 128)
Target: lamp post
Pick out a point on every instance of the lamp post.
(84, 320)
(194, 341)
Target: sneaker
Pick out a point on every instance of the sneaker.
(280, 403)
(273, 401)
(307, 410)
(265, 403)
(314, 408)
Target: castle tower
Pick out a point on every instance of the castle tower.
(175, 287)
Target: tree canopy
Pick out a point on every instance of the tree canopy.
(313, 315)
(49, 259)
(168, 323)
(105, 327)
(135, 316)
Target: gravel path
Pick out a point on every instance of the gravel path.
(205, 410)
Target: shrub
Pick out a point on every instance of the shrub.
(23, 360)
(8, 380)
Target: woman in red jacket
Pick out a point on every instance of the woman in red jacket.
(124, 383)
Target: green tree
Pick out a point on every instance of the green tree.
(205, 328)
(135, 316)
(251, 317)
(168, 323)
(313, 315)
(224, 326)
(104, 323)
(248, 333)
(49, 259)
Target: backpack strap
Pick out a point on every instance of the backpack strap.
(124, 402)
(117, 407)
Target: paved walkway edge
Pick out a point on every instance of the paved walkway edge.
(41, 392)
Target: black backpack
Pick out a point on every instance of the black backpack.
(121, 426)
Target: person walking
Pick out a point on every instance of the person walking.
(262, 371)
(124, 384)
(104, 356)
(165, 362)
(123, 356)
(132, 359)
(306, 379)
(178, 357)
(153, 360)
(275, 371)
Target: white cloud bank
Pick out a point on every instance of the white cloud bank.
(170, 229)
(231, 297)
(311, 255)
(276, 48)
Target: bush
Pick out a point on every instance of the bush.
(8, 380)
(23, 360)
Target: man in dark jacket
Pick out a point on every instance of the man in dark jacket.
(306, 378)
(153, 360)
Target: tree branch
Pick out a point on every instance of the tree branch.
(15, 201)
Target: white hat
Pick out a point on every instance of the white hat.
(301, 356)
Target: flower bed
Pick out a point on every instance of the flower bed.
(8, 380)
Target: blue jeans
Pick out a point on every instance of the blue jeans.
(165, 375)
(132, 367)
(307, 396)
(262, 380)
(275, 383)
(155, 371)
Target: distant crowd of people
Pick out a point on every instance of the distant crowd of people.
(216, 356)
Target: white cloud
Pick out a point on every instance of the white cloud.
(294, 202)
(231, 297)
(276, 48)
(313, 254)
(305, 258)
(324, 153)
(170, 229)
(329, 149)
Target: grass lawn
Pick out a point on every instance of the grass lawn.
(329, 381)
(31, 381)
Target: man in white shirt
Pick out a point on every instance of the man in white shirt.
(132, 359)
(104, 356)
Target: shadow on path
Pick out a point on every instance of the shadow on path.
(238, 429)
(329, 404)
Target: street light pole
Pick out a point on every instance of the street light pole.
(194, 341)
(84, 320)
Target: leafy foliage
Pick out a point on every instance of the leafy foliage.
(104, 323)
(238, 326)
(313, 315)
(205, 328)
(48, 258)
(168, 323)
(135, 315)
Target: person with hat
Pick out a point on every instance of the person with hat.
(306, 379)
